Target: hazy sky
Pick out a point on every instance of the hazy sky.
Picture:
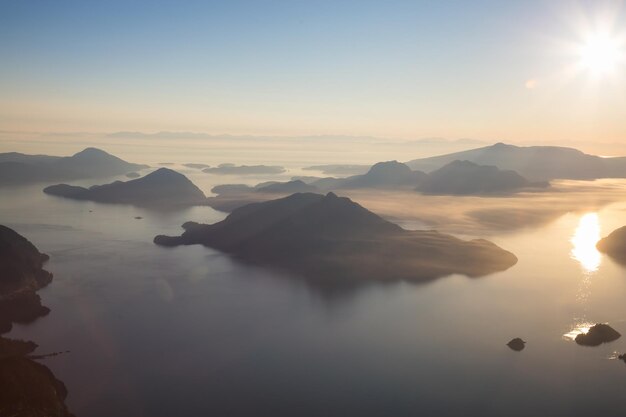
(501, 70)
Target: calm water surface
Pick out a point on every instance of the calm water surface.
(188, 332)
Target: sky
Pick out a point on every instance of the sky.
(490, 70)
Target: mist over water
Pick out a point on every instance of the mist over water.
(189, 331)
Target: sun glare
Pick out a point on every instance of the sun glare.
(600, 53)
(584, 242)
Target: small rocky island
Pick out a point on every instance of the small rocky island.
(516, 344)
(27, 388)
(598, 334)
(163, 187)
(331, 239)
(614, 245)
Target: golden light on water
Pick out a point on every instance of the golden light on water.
(579, 328)
(584, 241)
(584, 251)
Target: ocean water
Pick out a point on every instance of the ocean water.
(187, 331)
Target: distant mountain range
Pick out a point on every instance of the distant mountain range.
(17, 168)
(455, 178)
(163, 187)
(535, 163)
(333, 240)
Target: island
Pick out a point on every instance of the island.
(385, 175)
(598, 334)
(468, 178)
(614, 245)
(196, 166)
(390, 175)
(232, 169)
(17, 168)
(163, 187)
(516, 344)
(339, 169)
(330, 239)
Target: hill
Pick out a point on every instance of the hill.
(163, 187)
(390, 174)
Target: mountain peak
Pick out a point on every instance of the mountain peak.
(388, 167)
(502, 145)
(91, 152)
(163, 172)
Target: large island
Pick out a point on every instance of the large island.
(330, 239)
(163, 187)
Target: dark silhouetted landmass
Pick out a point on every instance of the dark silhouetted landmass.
(516, 344)
(387, 175)
(272, 187)
(133, 175)
(232, 189)
(468, 178)
(598, 334)
(163, 187)
(332, 240)
(535, 163)
(339, 169)
(27, 388)
(231, 169)
(16, 168)
(614, 245)
(197, 166)
(21, 274)
(288, 187)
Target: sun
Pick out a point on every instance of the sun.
(600, 53)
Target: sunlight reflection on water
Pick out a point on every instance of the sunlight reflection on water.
(584, 242)
(578, 328)
(584, 251)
